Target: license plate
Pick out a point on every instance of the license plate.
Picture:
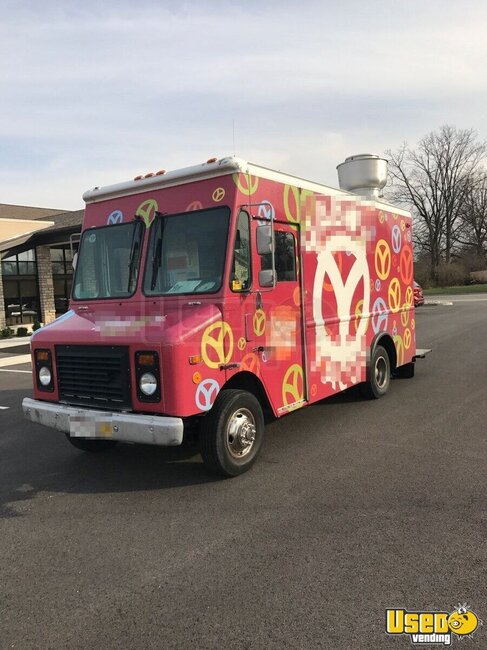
(82, 427)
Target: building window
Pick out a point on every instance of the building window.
(21, 264)
(62, 277)
(62, 261)
(21, 293)
(21, 301)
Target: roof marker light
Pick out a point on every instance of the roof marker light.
(149, 175)
(160, 172)
(138, 178)
(211, 160)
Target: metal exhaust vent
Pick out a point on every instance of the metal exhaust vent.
(364, 174)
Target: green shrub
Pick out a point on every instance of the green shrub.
(6, 333)
(22, 331)
(36, 325)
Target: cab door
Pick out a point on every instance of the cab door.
(276, 323)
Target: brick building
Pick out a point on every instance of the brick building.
(35, 270)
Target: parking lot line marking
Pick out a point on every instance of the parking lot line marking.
(5, 370)
(4, 408)
(5, 344)
(15, 361)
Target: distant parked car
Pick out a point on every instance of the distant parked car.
(418, 294)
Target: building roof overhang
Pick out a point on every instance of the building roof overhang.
(14, 232)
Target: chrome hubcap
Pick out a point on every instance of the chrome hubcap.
(381, 372)
(240, 434)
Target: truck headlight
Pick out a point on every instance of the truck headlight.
(44, 370)
(148, 375)
(45, 376)
(148, 384)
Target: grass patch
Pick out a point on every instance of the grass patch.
(470, 288)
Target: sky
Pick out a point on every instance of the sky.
(95, 92)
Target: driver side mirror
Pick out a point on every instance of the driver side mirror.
(264, 239)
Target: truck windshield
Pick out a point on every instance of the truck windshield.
(187, 253)
(108, 261)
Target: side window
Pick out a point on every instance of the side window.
(240, 278)
(285, 257)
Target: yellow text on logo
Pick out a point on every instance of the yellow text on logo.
(400, 621)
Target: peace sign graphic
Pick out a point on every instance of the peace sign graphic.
(407, 338)
(406, 265)
(399, 349)
(405, 314)
(206, 394)
(396, 238)
(194, 205)
(382, 259)
(218, 195)
(115, 217)
(409, 297)
(147, 211)
(242, 343)
(292, 385)
(359, 308)
(251, 363)
(213, 344)
(291, 205)
(246, 183)
(380, 316)
(266, 211)
(259, 322)
(394, 295)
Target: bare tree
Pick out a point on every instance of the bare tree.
(433, 180)
(474, 216)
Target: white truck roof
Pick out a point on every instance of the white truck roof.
(213, 169)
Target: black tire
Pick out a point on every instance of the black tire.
(378, 374)
(226, 430)
(406, 371)
(90, 445)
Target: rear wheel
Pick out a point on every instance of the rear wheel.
(91, 445)
(379, 378)
(232, 432)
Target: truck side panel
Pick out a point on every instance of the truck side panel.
(358, 272)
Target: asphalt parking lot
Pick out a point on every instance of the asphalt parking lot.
(354, 507)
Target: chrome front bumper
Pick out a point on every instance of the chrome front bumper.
(88, 423)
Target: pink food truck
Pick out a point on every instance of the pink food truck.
(208, 297)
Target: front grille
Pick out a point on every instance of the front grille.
(94, 375)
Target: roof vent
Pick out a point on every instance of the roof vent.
(364, 174)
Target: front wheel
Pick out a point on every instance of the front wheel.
(90, 444)
(379, 375)
(232, 432)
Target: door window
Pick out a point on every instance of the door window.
(240, 279)
(285, 257)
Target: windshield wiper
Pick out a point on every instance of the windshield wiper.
(156, 260)
(134, 251)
